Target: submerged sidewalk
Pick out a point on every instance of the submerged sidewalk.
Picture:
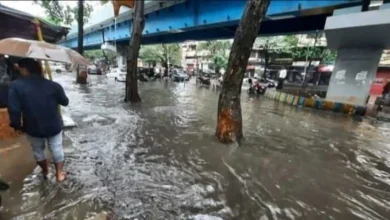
(319, 103)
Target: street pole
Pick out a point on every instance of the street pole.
(310, 60)
(168, 59)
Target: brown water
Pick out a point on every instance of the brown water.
(160, 160)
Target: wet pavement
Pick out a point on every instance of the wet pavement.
(159, 160)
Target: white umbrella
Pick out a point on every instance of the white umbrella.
(40, 50)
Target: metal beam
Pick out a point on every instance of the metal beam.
(198, 16)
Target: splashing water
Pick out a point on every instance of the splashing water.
(159, 160)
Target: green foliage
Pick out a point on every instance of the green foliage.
(58, 13)
(87, 12)
(276, 45)
(272, 46)
(268, 43)
(328, 56)
(215, 47)
(290, 41)
(219, 62)
(161, 53)
(100, 54)
(301, 53)
(218, 51)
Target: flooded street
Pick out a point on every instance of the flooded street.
(160, 160)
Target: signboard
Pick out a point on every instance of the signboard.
(340, 77)
(361, 75)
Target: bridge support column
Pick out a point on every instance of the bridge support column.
(353, 74)
(122, 54)
(359, 39)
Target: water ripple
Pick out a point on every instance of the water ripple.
(160, 160)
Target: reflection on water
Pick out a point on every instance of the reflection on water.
(159, 160)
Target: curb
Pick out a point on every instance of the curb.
(326, 105)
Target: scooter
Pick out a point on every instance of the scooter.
(3, 187)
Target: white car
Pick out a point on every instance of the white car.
(92, 69)
(57, 67)
(117, 74)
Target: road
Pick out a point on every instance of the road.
(160, 160)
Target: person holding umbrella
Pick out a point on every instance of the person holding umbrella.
(33, 108)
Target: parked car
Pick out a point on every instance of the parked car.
(94, 70)
(179, 76)
(118, 74)
(57, 67)
(149, 72)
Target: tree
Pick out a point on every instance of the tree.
(219, 62)
(61, 14)
(290, 41)
(271, 47)
(80, 24)
(80, 39)
(215, 47)
(56, 13)
(108, 56)
(161, 53)
(217, 52)
(229, 120)
(328, 56)
(87, 10)
(171, 54)
(132, 94)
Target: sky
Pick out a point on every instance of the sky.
(36, 10)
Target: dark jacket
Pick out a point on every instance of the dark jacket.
(36, 99)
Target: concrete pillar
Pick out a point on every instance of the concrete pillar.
(359, 39)
(121, 60)
(353, 74)
(122, 54)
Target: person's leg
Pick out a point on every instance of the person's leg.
(55, 145)
(38, 147)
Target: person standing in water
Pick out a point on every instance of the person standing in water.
(282, 77)
(33, 108)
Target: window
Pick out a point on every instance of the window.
(192, 47)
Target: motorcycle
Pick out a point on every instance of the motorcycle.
(256, 89)
(3, 187)
(204, 80)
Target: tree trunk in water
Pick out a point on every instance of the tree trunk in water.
(305, 83)
(166, 69)
(229, 121)
(80, 78)
(132, 94)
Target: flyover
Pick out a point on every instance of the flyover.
(181, 20)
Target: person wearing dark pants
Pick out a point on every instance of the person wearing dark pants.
(282, 77)
(33, 108)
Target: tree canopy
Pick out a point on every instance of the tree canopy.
(217, 51)
(289, 45)
(215, 47)
(100, 54)
(58, 13)
(161, 53)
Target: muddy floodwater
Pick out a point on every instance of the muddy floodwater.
(160, 160)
